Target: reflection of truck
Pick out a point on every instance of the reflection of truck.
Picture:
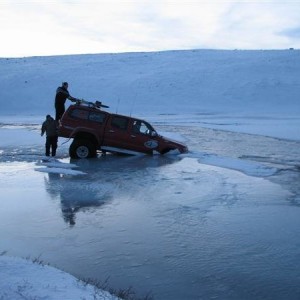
(93, 129)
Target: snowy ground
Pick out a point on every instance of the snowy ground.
(22, 279)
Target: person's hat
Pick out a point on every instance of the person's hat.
(65, 83)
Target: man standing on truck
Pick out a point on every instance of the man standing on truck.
(62, 94)
(50, 127)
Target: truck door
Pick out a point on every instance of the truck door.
(116, 132)
(142, 137)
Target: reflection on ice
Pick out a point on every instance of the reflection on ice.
(76, 195)
(104, 178)
(121, 164)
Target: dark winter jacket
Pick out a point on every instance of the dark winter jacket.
(50, 127)
(62, 94)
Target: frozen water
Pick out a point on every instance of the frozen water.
(219, 222)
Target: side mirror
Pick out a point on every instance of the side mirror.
(153, 133)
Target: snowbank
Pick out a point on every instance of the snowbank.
(177, 82)
(22, 279)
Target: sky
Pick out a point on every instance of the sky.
(51, 27)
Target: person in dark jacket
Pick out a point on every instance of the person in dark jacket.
(62, 94)
(50, 127)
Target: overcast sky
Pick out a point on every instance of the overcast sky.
(51, 27)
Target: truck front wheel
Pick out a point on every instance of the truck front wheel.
(82, 149)
(164, 151)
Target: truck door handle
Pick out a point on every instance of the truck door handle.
(111, 131)
(133, 136)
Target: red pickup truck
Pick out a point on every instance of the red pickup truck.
(93, 129)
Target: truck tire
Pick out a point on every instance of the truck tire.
(81, 148)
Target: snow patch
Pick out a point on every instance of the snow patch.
(27, 280)
(59, 171)
(52, 165)
(247, 167)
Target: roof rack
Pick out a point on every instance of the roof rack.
(96, 104)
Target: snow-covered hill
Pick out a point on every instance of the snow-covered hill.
(199, 81)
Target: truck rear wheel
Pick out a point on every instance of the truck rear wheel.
(81, 148)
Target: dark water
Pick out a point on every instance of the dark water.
(167, 226)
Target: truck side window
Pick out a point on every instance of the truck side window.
(119, 122)
(136, 127)
(141, 127)
(97, 117)
(79, 114)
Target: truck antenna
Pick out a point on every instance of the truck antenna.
(133, 102)
(118, 105)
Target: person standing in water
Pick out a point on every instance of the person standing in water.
(50, 128)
